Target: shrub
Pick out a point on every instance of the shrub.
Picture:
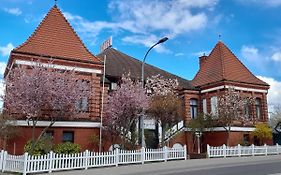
(43, 146)
(262, 132)
(67, 148)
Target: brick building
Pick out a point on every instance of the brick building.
(55, 39)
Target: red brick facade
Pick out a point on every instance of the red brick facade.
(65, 48)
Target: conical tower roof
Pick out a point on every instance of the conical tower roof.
(223, 65)
(54, 37)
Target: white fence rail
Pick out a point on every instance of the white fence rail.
(237, 151)
(54, 162)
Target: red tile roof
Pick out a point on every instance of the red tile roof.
(223, 65)
(118, 64)
(55, 37)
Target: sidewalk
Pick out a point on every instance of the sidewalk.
(154, 168)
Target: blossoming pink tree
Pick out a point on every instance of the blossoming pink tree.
(232, 110)
(165, 105)
(123, 109)
(41, 93)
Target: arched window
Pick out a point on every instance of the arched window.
(258, 108)
(193, 108)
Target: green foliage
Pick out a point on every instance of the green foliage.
(201, 122)
(262, 132)
(43, 146)
(67, 148)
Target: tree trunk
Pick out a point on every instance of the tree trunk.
(163, 135)
(228, 134)
(33, 137)
(35, 141)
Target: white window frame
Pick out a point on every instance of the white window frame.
(214, 105)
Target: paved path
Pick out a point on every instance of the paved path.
(261, 165)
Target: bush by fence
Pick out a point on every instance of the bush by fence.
(54, 162)
(237, 151)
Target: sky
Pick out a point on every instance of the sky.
(250, 28)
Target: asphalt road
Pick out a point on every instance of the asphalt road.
(267, 165)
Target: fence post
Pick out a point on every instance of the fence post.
(265, 147)
(277, 150)
(116, 152)
(208, 151)
(165, 153)
(25, 163)
(142, 155)
(51, 155)
(1, 159)
(253, 150)
(239, 150)
(185, 152)
(224, 150)
(86, 157)
(4, 161)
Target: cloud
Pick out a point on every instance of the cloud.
(250, 52)
(2, 68)
(179, 54)
(147, 41)
(276, 56)
(274, 93)
(148, 20)
(201, 53)
(13, 11)
(5, 50)
(173, 17)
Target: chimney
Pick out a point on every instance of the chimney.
(202, 60)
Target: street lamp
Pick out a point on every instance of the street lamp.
(198, 135)
(142, 80)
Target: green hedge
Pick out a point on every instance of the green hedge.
(43, 146)
(67, 148)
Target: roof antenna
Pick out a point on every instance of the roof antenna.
(219, 37)
(55, 2)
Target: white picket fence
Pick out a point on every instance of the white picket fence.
(237, 151)
(54, 162)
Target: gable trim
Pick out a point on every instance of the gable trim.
(57, 66)
(73, 124)
(236, 88)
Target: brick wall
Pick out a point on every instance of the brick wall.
(81, 137)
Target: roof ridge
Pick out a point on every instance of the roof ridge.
(221, 59)
(145, 63)
(55, 9)
(243, 64)
(75, 32)
(231, 68)
(35, 31)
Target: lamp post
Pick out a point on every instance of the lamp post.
(198, 135)
(142, 80)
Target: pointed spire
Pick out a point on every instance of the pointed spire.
(223, 65)
(54, 37)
